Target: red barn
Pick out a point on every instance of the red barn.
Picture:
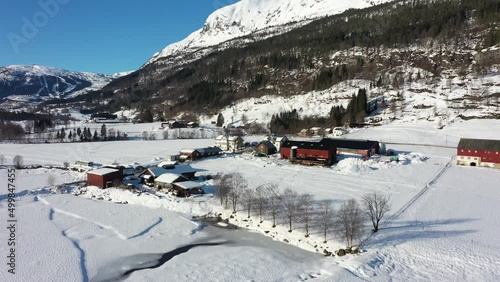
(478, 152)
(365, 148)
(322, 152)
(104, 177)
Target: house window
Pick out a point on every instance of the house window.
(462, 150)
(469, 151)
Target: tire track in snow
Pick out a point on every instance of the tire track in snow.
(83, 267)
(110, 228)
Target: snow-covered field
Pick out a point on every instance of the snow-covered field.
(447, 233)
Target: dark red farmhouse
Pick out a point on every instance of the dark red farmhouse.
(104, 177)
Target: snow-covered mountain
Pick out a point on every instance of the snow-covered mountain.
(251, 17)
(35, 82)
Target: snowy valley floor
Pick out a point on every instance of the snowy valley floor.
(448, 233)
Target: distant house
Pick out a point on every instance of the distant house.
(189, 155)
(339, 131)
(187, 188)
(166, 180)
(279, 141)
(196, 154)
(150, 174)
(229, 143)
(316, 131)
(305, 133)
(266, 147)
(104, 177)
(192, 124)
(478, 152)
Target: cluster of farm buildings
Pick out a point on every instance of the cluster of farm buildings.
(180, 180)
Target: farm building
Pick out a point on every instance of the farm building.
(150, 174)
(365, 148)
(195, 154)
(339, 131)
(478, 152)
(187, 188)
(208, 152)
(166, 180)
(266, 147)
(229, 143)
(104, 177)
(279, 141)
(322, 152)
(189, 155)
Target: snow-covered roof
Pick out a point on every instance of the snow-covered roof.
(187, 151)
(103, 171)
(157, 171)
(225, 137)
(169, 178)
(188, 184)
(167, 163)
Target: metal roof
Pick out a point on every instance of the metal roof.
(479, 144)
(103, 171)
(327, 143)
(350, 143)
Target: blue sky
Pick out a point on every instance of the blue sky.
(104, 36)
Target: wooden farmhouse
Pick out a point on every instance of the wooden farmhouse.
(266, 147)
(187, 188)
(196, 154)
(104, 177)
(150, 174)
(166, 180)
(229, 143)
(478, 152)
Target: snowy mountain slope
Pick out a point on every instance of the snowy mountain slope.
(41, 82)
(251, 16)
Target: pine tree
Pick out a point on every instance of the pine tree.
(103, 132)
(220, 120)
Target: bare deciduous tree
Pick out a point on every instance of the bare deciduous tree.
(290, 203)
(223, 187)
(248, 200)
(51, 180)
(18, 161)
(238, 186)
(261, 200)
(376, 206)
(350, 222)
(325, 217)
(306, 209)
(274, 201)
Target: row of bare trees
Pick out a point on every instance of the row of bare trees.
(269, 202)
